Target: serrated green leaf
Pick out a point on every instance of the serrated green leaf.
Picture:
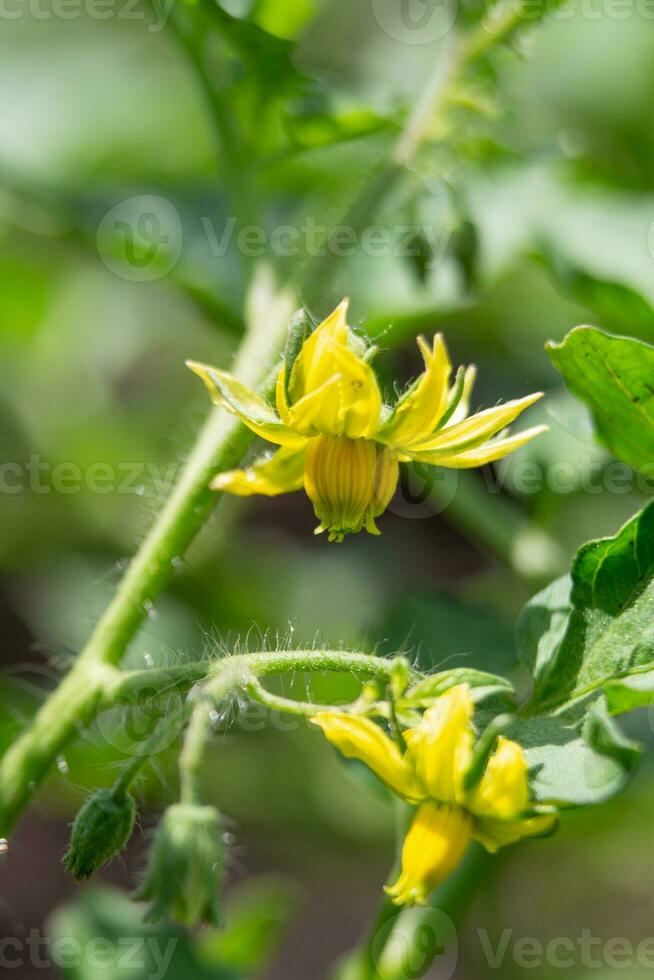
(597, 625)
(615, 377)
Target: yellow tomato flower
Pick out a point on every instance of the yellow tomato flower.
(431, 773)
(339, 440)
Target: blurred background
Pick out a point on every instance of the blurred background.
(136, 143)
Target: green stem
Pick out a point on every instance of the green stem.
(192, 755)
(288, 706)
(137, 685)
(221, 444)
(441, 89)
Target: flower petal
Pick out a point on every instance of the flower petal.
(441, 746)
(315, 363)
(251, 408)
(489, 452)
(359, 398)
(360, 738)
(269, 475)
(504, 788)
(436, 842)
(417, 413)
(473, 431)
(331, 362)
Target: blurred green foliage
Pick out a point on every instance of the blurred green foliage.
(539, 218)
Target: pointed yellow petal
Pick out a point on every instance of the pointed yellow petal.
(253, 410)
(359, 398)
(441, 747)
(504, 789)
(494, 833)
(321, 403)
(489, 452)
(360, 738)
(353, 405)
(417, 413)
(315, 363)
(475, 430)
(281, 473)
(436, 842)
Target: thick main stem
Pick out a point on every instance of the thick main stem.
(220, 445)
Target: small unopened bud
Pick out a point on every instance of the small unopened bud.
(100, 831)
(185, 866)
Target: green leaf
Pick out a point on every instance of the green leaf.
(266, 55)
(259, 912)
(636, 691)
(615, 377)
(130, 950)
(614, 305)
(576, 761)
(597, 625)
(284, 18)
(310, 129)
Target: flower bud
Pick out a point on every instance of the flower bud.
(350, 482)
(185, 866)
(100, 831)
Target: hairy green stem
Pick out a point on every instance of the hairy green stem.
(221, 444)
(304, 709)
(192, 755)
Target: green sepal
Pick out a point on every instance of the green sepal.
(483, 685)
(484, 749)
(299, 331)
(455, 397)
(185, 867)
